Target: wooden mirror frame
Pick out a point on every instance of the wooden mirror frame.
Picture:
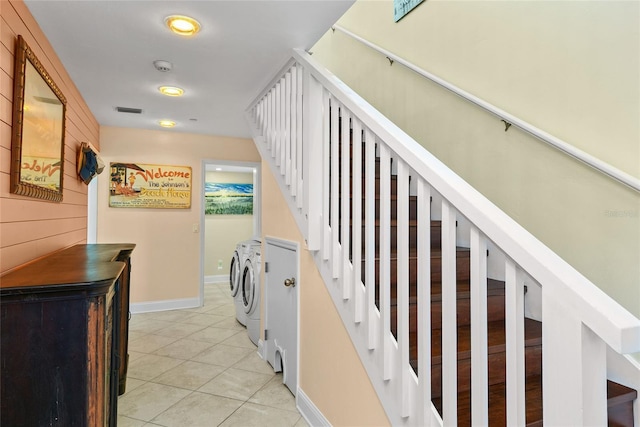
(19, 185)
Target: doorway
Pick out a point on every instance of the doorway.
(221, 230)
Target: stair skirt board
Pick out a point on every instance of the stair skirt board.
(170, 304)
(309, 411)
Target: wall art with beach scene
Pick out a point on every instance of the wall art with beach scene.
(139, 185)
(228, 199)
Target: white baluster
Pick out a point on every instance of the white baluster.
(479, 357)
(286, 164)
(424, 301)
(402, 227)
(335, 200)
(299, 130)
(313, 161)
(327, 246)
(385, 257)
(449, 324)
(370, 231)
(277, 129)
(294, 135)
(357, 220)
(347, 270)
(514, 335)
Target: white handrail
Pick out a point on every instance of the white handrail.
(559, 144)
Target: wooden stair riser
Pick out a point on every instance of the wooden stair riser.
(462, 270)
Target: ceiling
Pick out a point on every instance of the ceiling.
(108, 49)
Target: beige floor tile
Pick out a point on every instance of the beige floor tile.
(149, 400)
(276, 395)
(146, 325)
(150, 366)
(150, 343)
(179, 330)
(189, 375)
(129, 422)
(169, 316)
(236, 384)
(223, 310)
(183, 349)
(133, 383)
(222, 355)
(231, 323)
(212, 334)
(241, 339)
(302, 423)
(198, 410)
(133, 355)
(134, 335)
(250, 414)
(203, 319)
(252, 362)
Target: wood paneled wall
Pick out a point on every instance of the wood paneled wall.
(30, 228)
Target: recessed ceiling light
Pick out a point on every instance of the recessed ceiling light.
(167, 123)
(218, 169)
(182, 25)
(171, 90)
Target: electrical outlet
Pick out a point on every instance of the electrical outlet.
(219, 264)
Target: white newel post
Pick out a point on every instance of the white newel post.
(573, 367)
(312, 167)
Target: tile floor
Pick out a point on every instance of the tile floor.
(198, 368)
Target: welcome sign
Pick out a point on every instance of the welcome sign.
(139, 185)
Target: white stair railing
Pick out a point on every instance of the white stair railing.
(298, 124)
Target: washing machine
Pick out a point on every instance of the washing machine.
(238, 261)
(250, 290)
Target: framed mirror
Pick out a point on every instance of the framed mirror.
(37, 140)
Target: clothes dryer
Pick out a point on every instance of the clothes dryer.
(238, 261)
(250, 291)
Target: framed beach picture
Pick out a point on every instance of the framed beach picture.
(228, 199)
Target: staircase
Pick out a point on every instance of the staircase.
(437, 287)
(619, 398)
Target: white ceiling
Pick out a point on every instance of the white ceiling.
(108, 48)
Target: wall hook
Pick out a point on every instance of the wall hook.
(333, 29)
(507, 125)
(390, 61)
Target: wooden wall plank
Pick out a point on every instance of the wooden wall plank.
(23, 253)
(23, 232)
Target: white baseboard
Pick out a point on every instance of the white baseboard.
(309, 411)
(173, 304)
(220, 278)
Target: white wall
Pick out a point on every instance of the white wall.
(223, 232)
(166, 261)
(570, 68)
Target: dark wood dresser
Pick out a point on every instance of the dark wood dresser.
(64, 322)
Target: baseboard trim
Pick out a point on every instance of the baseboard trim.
(309, 411)
(220, 278)
(175, 304)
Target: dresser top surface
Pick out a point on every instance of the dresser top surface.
(87, 264)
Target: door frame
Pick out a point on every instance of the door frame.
(262, 345)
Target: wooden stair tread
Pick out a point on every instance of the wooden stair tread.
(616, 394)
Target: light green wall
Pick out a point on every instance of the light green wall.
(569, 68)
